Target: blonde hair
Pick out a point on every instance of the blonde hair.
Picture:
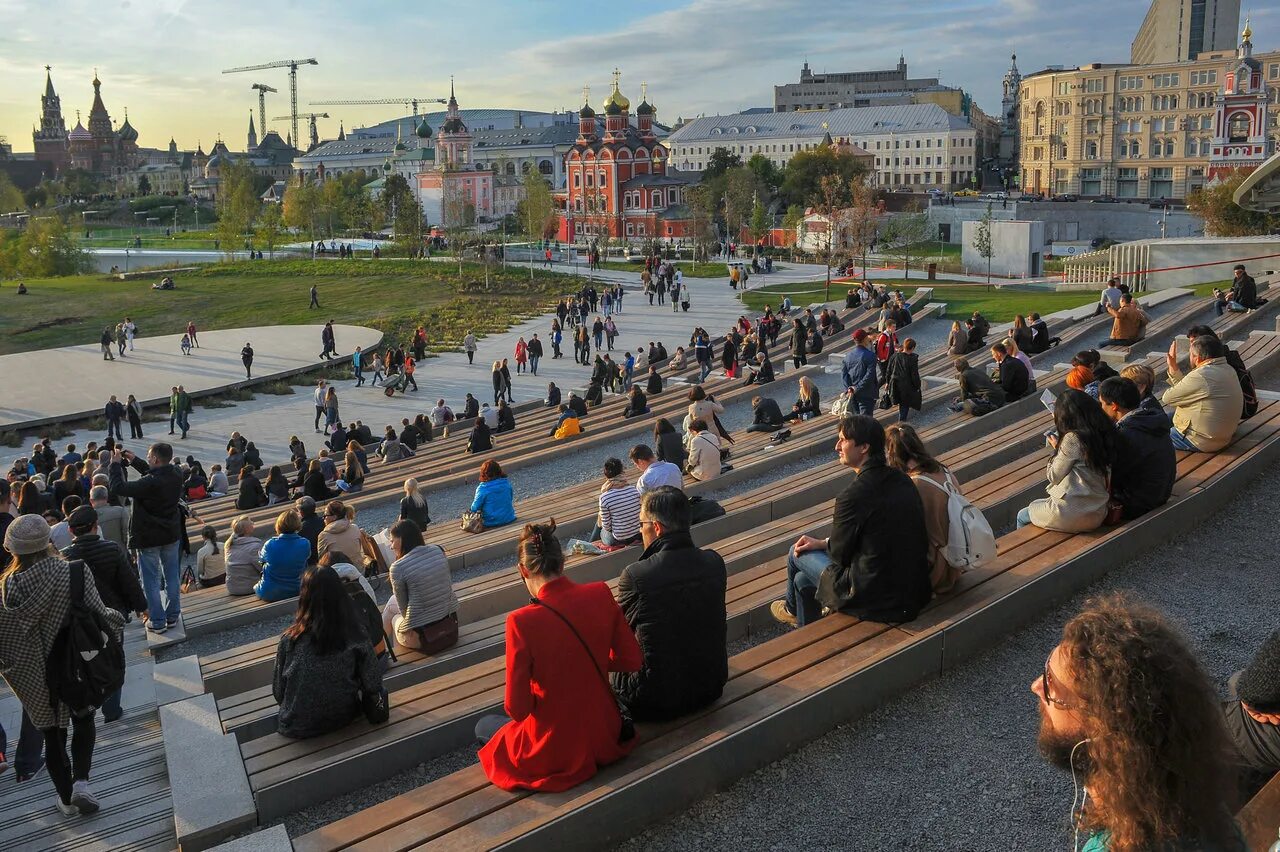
(242, 525)
(288, 522)
(806, 387)
(1141, 375)
(412, 491)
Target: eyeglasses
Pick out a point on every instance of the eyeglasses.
(1045, 681)
(645, 523)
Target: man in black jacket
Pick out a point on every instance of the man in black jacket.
(1145, 466)
(312, 525)
(409, 435)
(112, 574)
(766, 416)
(577, 404)
(155, 527)
(1014, 379)
(114, 412)
(673, 598)
(1244, 292)
(553, 396)
(875, 565)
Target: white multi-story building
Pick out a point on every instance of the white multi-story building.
(917, 145)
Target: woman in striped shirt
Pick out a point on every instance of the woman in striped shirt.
(618, 523)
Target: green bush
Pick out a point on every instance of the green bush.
(10, 439)
(276, 388)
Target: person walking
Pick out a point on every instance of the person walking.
(318, 397)
(410, 367)
(522, 355)
(106, 340)
(328, 344)
(330, 409)
(246, 358)
(378, 373)
(130, 331)
(191, 332)
(121, 342)
(114, 412)
(184, 410)
(902, 380)
(133, 410)
(36, 590)
(155, 527)
(506, 380)
(469, 346)
(173, 407)
(357, 364)
(315, 298)
(535, 354)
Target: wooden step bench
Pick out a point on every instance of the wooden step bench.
(1259, 819)
(1167, 326)
(788, 691)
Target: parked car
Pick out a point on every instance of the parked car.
(1066, 196)
(996, 196)
(1104, 199)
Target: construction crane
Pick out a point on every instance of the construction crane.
(263, 88)
(292, 65)
(406, 101)
(311, 117)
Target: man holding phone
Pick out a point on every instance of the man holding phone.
(155, 527)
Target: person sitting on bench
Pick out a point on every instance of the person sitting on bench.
(618, 519)
(423, 610)
(1207, 401)
(1129, 323)
(978, 394)
(875, 564)
(1244, 293)
(325, 663)
(1253, 715)
(766, 416)
(1084, 444)
(1118, 668)
(1146, 466)
(674, 599)
(703, 452)
(562, 720)
(1012, 374)
(1040, 339)
(654, 473)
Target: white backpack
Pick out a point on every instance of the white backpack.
(970, 541)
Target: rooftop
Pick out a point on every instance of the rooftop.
(904, 118)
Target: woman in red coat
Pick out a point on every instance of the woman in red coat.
(564, 721)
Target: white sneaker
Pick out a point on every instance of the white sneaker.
(67, 810)
(82, 798)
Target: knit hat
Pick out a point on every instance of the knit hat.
(1259, 684)
(27, 534)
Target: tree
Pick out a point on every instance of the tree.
(44, 249)
(807, 168)
(759, 225)
(702, 208)
(301, 204)
(1222, 216)
(903, 233)
(863, 220)
(720, 161)
(537, 212)
(742, 189)
(237, 205)
(764, 169)
(144, 185)
(982, 241)
(270, 224)
(11, 198)
(831, 203)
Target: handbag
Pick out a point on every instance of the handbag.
(472, 522)
(627, 731)
(376, 706)
(197, 492)
(374, 562)
(885, 402)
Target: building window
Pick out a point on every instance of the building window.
(1091, 150)
(577, 180)
(631, 229)
(657, 199)
(589, 179)
(1166, 81)
(1238, 127)
(544, 167)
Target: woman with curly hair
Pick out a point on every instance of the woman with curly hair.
(1128, 710)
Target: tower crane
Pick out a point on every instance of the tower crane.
(262, 89)
(311, 118)
(406, 101)
(292, 65)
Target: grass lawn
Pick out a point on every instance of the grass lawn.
(396, 298)
(997, 305)
(711, 269)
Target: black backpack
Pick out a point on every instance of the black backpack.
(86, 662)
(1246, 384)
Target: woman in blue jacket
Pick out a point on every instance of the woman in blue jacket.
(284, 558)
(494, 500)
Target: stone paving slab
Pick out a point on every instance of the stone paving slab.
(75, 382)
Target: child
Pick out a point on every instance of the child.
(210, 569)
(186, 344)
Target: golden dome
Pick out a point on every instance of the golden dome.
(616, 98)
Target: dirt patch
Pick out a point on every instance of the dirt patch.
(53, 323)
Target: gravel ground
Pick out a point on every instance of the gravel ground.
(980, 720)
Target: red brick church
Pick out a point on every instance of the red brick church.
(617, 180)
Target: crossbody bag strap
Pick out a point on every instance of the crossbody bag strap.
(583, 642)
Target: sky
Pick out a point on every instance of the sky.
(162, 59)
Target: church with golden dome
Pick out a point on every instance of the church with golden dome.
(618, 181)
(100, 148)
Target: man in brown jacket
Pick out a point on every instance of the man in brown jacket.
(1129, 323)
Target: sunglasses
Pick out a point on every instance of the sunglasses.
(1046, 682)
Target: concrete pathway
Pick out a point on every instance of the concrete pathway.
(75, 382)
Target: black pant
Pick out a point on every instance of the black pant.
(359, 375)
(62, 771)
(113, 428)
(798, 361)
(319, 414)
(408, 380)
(135, 428)
(248, 369)
(471, 357)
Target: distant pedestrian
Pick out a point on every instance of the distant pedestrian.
(191, 332)
(357, 364)
(327, 340)
(315, 294)
(185, 345)
(378, 374)
(469, 346)
(120, 338)
(106, 341)
(133, 409)
(130, 331)
(409, 367)
(318, 397)
(246, 357)
(535, 354)
(114, 412)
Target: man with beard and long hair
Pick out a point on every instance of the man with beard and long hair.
(1126, 708)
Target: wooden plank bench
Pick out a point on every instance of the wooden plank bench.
(1259, 819)
(785, 692)
(1168, 325)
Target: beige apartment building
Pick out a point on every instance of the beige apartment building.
(1136, 131)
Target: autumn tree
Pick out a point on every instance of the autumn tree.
(904, 232)
(831, 201)
(301, 205)
(1222, 216)
(238, 204)
(982, 242)
(862, 219)
(805, 171)
(269, 226)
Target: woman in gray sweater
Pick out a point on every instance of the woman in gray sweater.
(423, 611)
(326, 671)
(240, 557)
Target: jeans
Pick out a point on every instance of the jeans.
(1024, 517)
(319, 414)
(803, 572)
(61, 770)
(858, 405)
(151, 560)
(184, 422)
(113, 428)
(1180, 442)
(608, 539)
(29, 754)
(1234, 307)
(359, 376)
(904, 412)
(487, 726)
(533, 364)
(111, 709)
(410, 380)
(705, 370)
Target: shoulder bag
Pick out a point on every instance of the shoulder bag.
(472, 522)
(627, 731)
